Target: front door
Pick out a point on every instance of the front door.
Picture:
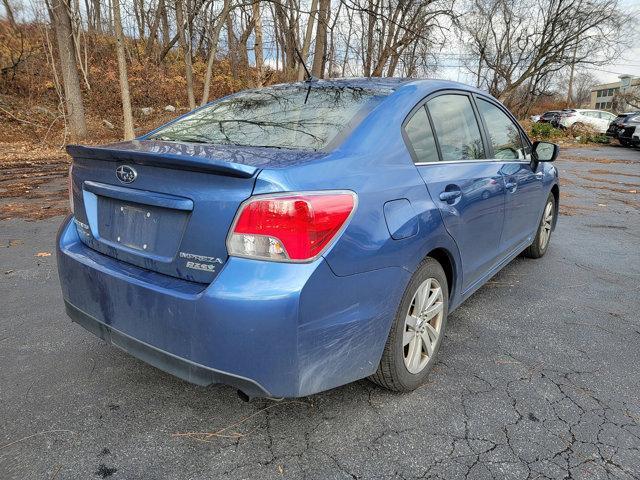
(523, 185)
(468, 189)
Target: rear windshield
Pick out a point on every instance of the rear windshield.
(278, 117)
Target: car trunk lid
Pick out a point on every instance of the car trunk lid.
(172, 211)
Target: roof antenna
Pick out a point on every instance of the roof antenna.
(310, 78)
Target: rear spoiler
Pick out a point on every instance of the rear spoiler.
(165, 160)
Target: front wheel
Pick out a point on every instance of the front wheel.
(417, 330)
(540, 244)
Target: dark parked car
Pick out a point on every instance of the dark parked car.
(298, 237)
(550, 117)
(623, 127)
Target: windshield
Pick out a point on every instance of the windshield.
(277, 117)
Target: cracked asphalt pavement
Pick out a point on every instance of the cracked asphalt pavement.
(538, 377)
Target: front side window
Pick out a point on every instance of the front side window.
(503, 133)
(421, 138)
(279, 116)
(456, 127)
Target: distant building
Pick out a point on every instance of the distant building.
(603, 95)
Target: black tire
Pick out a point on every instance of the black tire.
(538, 248)
(392, 372)
(624, 143)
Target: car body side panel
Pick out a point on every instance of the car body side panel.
(524, 195)
(474, 219)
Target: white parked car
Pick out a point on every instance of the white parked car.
(635, 138)
(599, 120)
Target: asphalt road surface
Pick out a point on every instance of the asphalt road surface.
(539, 375)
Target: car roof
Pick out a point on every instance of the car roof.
(392, 83)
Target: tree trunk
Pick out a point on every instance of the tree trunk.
(73, 94)
(321, 39)
(573, 66)
(122, 69)
(165, 22)
(213, 49)
(10, 17)
(97, 16)
(186, 51)
(307, 37)
(257, 47)
(346, 49)
(153, 31)
(231, 45)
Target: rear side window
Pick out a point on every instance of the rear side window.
(420, 136)
(503, 133)
(456, 127)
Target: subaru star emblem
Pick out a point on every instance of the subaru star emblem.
(126, 174)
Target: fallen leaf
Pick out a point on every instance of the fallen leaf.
(8, 272)
(43, 254)
(280, 469)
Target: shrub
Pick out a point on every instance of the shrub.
(545, 130)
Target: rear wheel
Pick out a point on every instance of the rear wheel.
(540, 244)
(624, 143)
(417, 330)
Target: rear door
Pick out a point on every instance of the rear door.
(523, 183)
(449, 152)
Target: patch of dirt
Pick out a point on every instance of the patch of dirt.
(599, 171)
(633, 191)
(571, 210)
(32, 181)
(597, 160)
(632, 186)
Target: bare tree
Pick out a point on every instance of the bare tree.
(186, 51)
(59, 12)
(319, 55)
(520, 44)
(214, 36)
(9, 12)
(122, 69)
(257, 44)
(306, 43)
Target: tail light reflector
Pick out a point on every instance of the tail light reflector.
(289, 227)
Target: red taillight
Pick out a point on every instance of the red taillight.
(291, 227)
(70, 187)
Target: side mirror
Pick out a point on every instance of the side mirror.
(545, 151)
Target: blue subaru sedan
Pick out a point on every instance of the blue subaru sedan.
(298, 237)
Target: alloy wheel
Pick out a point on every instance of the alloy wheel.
(422, 325)
(547, 222)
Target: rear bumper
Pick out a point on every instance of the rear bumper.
(269, 329)
(165, 361)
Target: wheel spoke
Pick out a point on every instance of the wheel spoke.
(426, 341)
(421, 296)
(433, 333)
(415, 353)
(432, 311)
(433, 297)
(407, 337)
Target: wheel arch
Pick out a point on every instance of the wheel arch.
(447, 262)
(555, 191)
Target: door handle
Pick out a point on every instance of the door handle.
(539, 175)
(511, 186)
(448, 196)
